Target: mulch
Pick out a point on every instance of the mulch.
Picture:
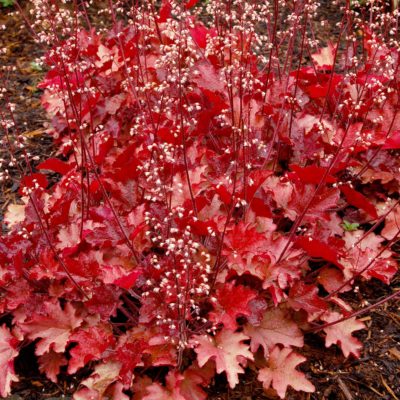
(22, 91)
(376, 375)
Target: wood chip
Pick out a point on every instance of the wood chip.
(345, 389)
(34, 133)
(395, 353)
(388, 388)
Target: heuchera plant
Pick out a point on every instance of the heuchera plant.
(218, 195)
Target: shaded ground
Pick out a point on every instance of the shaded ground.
(22, 91)
(376, 375)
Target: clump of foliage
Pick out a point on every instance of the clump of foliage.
(218, 194)
(7, 3)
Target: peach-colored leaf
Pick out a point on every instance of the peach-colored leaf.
(276, 328)
(341, 333)
(227, 350)
(325, 56)
(99, 382)
(15, 214)
(54, 327)
(281, 372)
(50, 364)
(8, 352)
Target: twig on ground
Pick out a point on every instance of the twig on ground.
(344, 389)
(388, 388)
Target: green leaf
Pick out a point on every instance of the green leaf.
(350, 226)
(7, 3)
(354, 3)
(35, 66)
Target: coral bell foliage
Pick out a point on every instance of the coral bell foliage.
(224, 178)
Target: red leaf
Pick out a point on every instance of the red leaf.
(393, 142)
(317, 90)
(332, 279)
(126, 282)
(126, 165)
(244, 238)
(208, 77)
(312, 174)
(318, 249)
(105, 301)
(362, 258)
(102, 147)
(227, 310)
(257, 177)
(55, 165)
(165, 11)
(358, 200)
(224, 194)
(50, 364)
(167, 135)
(199, 34)
(128, 353)
(33, 181)
(191, 3)
(305, 297)
(293, 197)
(91, 344)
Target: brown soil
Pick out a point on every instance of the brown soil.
(376, 375)
(22, 91)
